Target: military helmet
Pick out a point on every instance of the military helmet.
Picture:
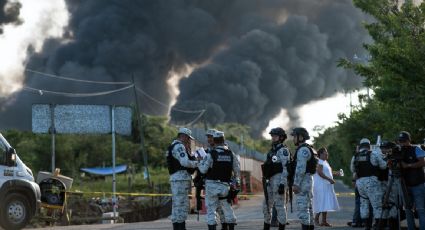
(278, 132)
(218, 134)
(210, 132)
(364, 141)
(186, 131)
(300, 131)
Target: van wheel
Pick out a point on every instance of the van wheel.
(16, 212)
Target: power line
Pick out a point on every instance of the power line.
(65, 94)
(77, 80)
(165, 105)
(196, 119)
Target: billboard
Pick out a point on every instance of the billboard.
(81, 119)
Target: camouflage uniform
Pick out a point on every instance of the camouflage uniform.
(217, 189)
(220, 213)
(180, 184)
(370, 188)
(274, 198)
(305, 182)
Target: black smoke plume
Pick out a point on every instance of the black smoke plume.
(9, 13)
(253, 57)
(273, 65)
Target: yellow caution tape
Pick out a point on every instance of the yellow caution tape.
(342, 194)
(120, 193)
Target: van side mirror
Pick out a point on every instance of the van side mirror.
(10, 157)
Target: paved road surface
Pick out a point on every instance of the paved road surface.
(248, 213)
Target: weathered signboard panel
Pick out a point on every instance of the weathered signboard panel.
(82, 119)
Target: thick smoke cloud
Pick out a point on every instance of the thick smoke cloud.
(278, 65)
(9, 13)
(253, 57)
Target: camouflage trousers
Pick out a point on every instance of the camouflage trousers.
(370, 190)
(220, 214)
(180, 200)
(274, 198)
(304, 201)
(213, 192)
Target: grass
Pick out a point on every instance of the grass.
(125, 183)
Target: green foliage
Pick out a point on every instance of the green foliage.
(395, 73)
(125, 183)
(396, 70)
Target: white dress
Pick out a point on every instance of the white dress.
(324, 197)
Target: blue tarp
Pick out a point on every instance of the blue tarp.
(105, 171)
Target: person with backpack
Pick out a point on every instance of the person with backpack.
(220, 166)
(274, 171)
(366, 165)
(305, 168)
(181, 164)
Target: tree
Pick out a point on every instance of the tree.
(396, 69)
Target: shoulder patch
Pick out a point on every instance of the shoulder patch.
(182, 154)
(305, 152)
(285, 152)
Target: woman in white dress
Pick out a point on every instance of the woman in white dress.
(324, 198)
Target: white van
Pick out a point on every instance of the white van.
(19, 194)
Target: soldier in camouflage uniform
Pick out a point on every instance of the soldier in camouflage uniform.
(210, 139)
(180, 166)
(303, 180)
(366, 163)
(219, 165)
(276, 174)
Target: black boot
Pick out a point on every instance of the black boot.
(282, 226)
(176, 226)
(224, 226)
(231, 226)
(380, 224)
(367, 223)
(212, 227)
(311, 227)
(266, 226)
(305, 227)
(393, 225)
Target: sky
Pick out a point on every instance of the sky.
(319, 115)
(259, 63)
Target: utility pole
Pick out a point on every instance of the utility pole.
(141, 134)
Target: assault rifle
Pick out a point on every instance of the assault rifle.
(290, 167)
(233, 192)
(199, 183)
(290, 183)
(264, 180)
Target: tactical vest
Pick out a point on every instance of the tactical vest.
(222, 165)
(272, 168)
(363, 166)
(412, 176)
(173, 164)
(311, 163)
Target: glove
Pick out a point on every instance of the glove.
(281, 189)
